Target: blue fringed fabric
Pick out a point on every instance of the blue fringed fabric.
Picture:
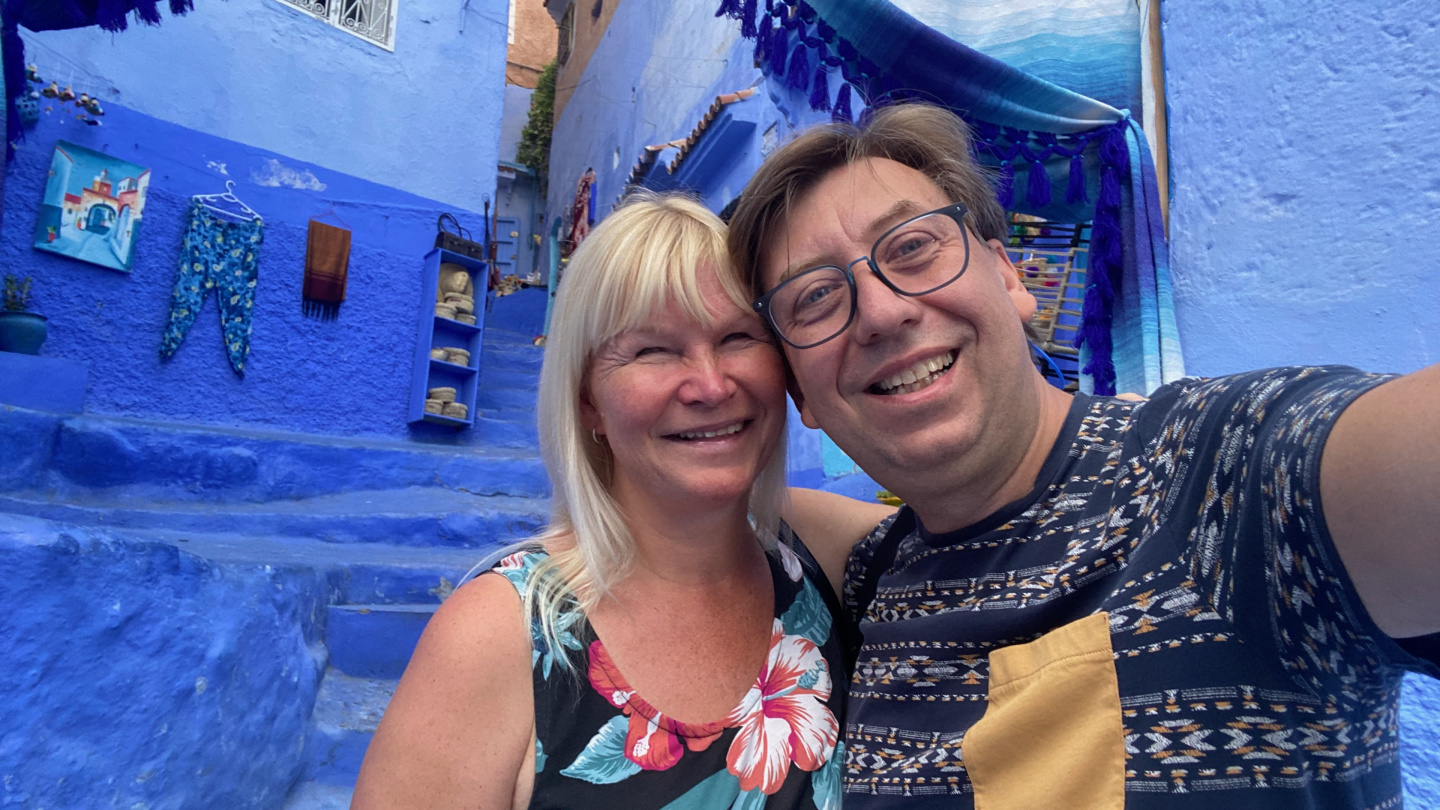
(110, 15)
(820, 90)
(841, 113)
(728, 8)
(1128, 333)
(762, 39)
(1005, 184)
(798, 77)
(747, 19)
(1037, 188)
(1075, 191)
(779, 44)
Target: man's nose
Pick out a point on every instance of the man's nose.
(880, 311)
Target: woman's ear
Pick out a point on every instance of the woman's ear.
(589, 414)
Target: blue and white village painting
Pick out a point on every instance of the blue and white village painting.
(92, 206)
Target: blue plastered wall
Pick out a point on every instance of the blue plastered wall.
(1303, 159)
(350, 376)
(1304, 155)
(173, 682)
(423, 119)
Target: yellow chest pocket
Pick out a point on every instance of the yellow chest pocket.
(1051, 736)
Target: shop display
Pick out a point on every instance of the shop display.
(92, 207)
(447, 341)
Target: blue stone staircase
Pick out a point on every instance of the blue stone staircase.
(388, 527)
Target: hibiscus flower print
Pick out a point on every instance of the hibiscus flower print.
(783, 717)
(652, 741)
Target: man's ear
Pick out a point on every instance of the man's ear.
(1021, 297)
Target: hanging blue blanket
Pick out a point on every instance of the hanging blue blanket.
(1032, 130)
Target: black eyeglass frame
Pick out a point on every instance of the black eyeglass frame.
(955, 211)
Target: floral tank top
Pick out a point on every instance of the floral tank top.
(600, 745)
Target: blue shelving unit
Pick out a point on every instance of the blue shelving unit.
(435, 332)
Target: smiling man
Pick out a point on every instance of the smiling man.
(1204, 599)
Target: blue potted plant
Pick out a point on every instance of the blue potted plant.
(21, 331)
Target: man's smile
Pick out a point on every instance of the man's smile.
(920, 375)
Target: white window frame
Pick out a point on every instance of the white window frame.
(331, 11)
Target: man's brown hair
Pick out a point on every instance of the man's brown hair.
(928, 139)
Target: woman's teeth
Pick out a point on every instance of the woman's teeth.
(710, 434)
(916, 377)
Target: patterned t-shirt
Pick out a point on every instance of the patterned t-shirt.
(599, 744)
(1249, 674)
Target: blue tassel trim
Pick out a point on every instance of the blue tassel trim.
(747, 19)
(1037, 190)
(779, 44)
(762, 40)
(1075, 192)
(798, 77)
(842, 106)
(820, 90)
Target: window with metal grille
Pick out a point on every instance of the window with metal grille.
(567, 34)
(371, 20)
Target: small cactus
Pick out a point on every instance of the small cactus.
(17, 293)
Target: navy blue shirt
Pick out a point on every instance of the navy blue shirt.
(1249, 673)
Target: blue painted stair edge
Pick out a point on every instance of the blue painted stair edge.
(159, 461)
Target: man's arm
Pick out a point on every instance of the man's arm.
(830, 525)
(1380, 491)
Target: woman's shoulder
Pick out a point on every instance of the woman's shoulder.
(473, 661)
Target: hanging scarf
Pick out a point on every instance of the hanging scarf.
(327, 262)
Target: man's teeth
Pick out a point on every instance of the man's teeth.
(710, 434)
(917, 376)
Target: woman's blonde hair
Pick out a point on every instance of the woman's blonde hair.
(646, 253)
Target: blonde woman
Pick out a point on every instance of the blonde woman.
(667, 642)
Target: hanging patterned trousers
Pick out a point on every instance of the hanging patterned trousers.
(223, 256)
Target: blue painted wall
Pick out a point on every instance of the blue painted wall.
(178, 683)
(346, 377)
(1302, 153)
(424, 119)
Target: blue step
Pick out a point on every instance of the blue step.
(376, 640)
(505, 399)
(509, 378)
(511, 358)
(420, 516)
(514, 433)
(72, 457)
(311, 795)
(347, 712)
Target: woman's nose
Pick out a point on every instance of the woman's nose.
(707, 381)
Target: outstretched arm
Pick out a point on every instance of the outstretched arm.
(460, 727)
(830, 525)
(1380, 490)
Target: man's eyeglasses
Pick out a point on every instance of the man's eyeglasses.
(916, 257)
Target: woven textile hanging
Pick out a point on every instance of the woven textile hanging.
(1031, 130)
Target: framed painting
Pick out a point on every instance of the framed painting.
(92, 207)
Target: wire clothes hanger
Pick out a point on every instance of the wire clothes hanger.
(333, 214)
(246, 213)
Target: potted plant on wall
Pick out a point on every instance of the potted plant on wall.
(21, 331)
